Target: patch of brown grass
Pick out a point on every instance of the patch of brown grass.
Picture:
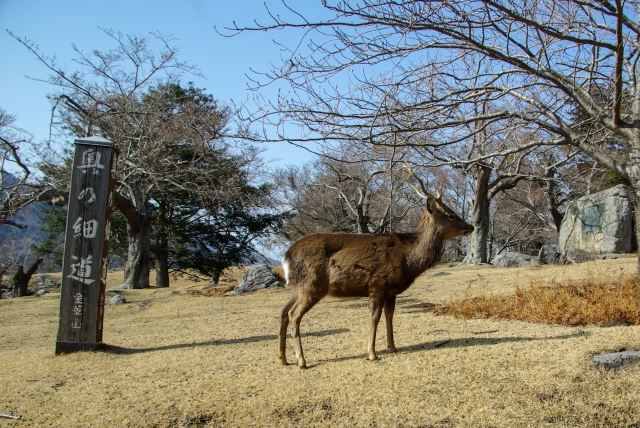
(211, 292)
(591, 301)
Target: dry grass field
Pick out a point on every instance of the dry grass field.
(190, 360)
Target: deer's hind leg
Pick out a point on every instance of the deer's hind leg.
(389, 308)
(307, 298)
(376, 304)
(282, 331)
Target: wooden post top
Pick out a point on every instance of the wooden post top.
(95, 140)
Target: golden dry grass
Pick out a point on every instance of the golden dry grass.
(590, 301)
(212, 361)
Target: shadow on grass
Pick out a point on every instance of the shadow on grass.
(462, 342)
(113, 349)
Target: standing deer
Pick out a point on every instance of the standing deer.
(378, 266)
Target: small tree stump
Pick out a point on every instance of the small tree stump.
(21, 279)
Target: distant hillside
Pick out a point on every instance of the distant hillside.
(30, 217)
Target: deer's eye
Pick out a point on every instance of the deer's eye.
(451, 216)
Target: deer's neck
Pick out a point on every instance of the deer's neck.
(426, 250)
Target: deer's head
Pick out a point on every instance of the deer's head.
(441, 215)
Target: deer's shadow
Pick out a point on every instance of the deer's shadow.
(462, 342)
(114, 349)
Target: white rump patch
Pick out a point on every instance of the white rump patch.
(285, 267)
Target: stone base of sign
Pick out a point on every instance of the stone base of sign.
(69, 347)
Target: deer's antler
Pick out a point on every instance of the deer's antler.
(424, 194)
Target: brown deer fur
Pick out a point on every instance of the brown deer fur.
(378, 266)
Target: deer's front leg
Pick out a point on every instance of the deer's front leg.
(389, 308)
(375, 306)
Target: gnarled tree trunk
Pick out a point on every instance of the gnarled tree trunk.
(21, 279)
(477, 247)
(137, 267)
(138, 215)
(161, 256)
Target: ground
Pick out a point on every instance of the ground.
(212, 361)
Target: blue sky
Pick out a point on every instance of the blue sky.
(56, 25)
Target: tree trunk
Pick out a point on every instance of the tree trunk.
(215, 278)
(362, 220)
(3, 270)
(160, 248)
(21, 279)
(161, 254)
(137, 267)
(552, 202)
(636, 193)
(477, 248)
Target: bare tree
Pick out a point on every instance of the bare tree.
(19, 187)
(16, 251)
(533, 61)
(169, 135)
(346, 194)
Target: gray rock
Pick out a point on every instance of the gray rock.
(549, 256)
(514, 259)
(143, 305)
(258, 277)
(41, 292)
(574, 255)
(616, 359)
(598, 223)
(116, 300)
(440, 274)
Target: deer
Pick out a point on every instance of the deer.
(377, 266)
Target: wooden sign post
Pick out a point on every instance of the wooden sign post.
(84, 271)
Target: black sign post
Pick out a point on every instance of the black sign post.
(84, 271)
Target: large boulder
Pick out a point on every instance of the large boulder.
(258, 277)
(575, 255)
(513, 259)
(549, 256)
(598, 223)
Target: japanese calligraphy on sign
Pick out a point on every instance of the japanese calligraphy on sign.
(77, 311)
(91, 161)
(81, 271)
(85, 228)
(86, 245)
(87, 192)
